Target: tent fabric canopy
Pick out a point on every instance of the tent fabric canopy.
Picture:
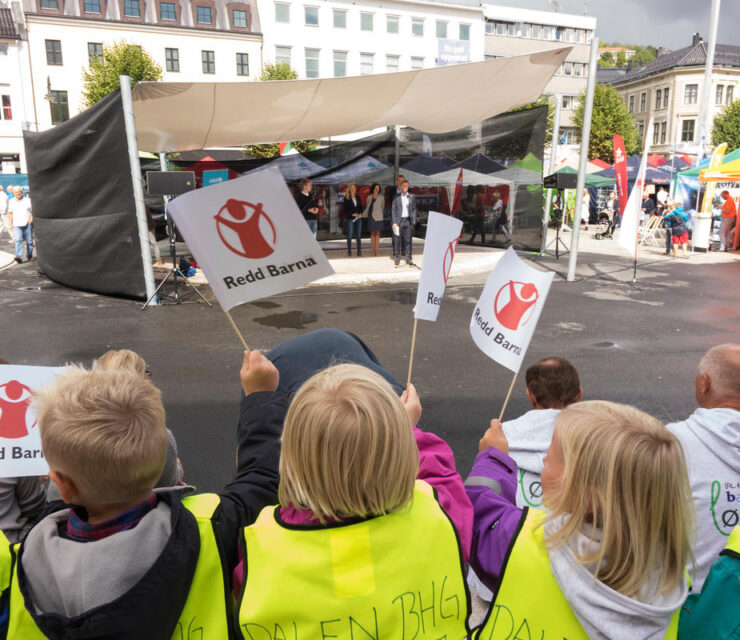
(519, 175)
(292, 167)
(728, 171)
(479, 163)
(178, 116)
(567, 177)
(425, 164)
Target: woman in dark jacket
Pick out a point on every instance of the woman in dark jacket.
(374, 211)
(353, 218)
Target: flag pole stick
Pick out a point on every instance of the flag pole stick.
(637, 240)
(411, 358)
(236, 330)
(508, 395)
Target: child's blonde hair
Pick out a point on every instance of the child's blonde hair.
(104, 429)
(626, 474)
(121, 359)
(347, 448)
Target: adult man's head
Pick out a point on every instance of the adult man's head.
(718, 378)
(725, 195)
(404, 187)
(645, 195)
(399, 181)
(553, 383)
(306, 185)
(18, 193)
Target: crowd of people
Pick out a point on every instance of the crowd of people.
(344, 519)
(17, 218)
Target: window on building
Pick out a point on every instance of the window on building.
(131, 9)
(54, 52)
(719, 94)
(172, 60)
(91, 6)
(568, 102)
(643, 101)
(548, 32)
(490, 28)
(501, 29)
(656, 133)
(570, 136)
(580, 36)
(441, 29)
(242, 64)
(631, 107)
(312, 63)
(366, 64)
(282, 12)
(641, 129)
(511, 30)
(559, 33)
(204, 15)
(239, 18)
(167, 11)
(208, 60)
(7, 112)
(464, 32)
(537, 31)
(417, 26)
(525, 30)
(417, 63)
(690, 93)
(578, 68)
(570, 35)
(391, 24)
(311, 16)
(392, 63)
(730, 92)
(50, 4)
(282, 55)
(568, 68)
(658, 96)
(687, 131)
(340, 19)
(59, 105)
(340, 64)
(94, 51)
(666, 93)
(663, 132)
(366, 22)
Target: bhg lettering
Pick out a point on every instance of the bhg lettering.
(20, 453)
(268, 271)
(499, 338)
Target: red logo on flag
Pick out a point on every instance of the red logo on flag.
(447, 261)
(246, 229)
(514, 304)
(15, 419)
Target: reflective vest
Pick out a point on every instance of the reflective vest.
(394, 576)
(206, 611)
(529, 603)
(733, 542)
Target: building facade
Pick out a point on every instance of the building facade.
(670, 88)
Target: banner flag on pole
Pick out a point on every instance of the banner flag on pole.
(249, 237)
(20, 441)
(703, 221)
(507, 311)
(458, 193)
(620, 171)
(443, 232)
(629, 228)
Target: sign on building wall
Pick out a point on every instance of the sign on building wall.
(453, 52)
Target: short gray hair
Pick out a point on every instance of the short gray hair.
(722, 365)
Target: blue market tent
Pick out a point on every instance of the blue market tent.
(426, 164)
(479, 163)
(293, 167)
(350, 171)
(653, 175)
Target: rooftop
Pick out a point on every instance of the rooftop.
(7, 24)
(533, 16)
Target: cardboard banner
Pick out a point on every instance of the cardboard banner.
(443, 232)
(629, 228)
(620, 170)
(20, 440)
(507, 312)
(249, 238)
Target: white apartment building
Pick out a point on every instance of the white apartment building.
(335, 38)
(513, 31)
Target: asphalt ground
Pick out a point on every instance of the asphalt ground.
(633, 343)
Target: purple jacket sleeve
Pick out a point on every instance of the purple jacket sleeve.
(491, 487)
(437, 468)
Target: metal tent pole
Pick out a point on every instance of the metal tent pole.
(138, 183)
(706, 94)
(585, 137)
(553, 153)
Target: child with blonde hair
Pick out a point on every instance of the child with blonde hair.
(607, 558)
(359, 545)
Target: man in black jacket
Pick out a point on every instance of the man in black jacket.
(403, 219)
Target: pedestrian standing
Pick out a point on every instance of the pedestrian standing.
(479, 216)
(20, 220)
(403, 219)
(352, 208)
(647, 209)
(729, 213)
(394, 195)
(308, 205)
(374, 208)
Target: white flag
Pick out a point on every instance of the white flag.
(507, 311)
(630, 224)
(249, 237)
(20, 441)
(443, 232)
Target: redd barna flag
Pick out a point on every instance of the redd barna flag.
(507, 311)
(249, 238)
(620, 171)
(440, 243)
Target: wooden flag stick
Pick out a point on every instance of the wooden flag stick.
(508, 395)
(411, 358)
(236, 330)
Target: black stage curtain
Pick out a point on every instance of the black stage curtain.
(84, 216)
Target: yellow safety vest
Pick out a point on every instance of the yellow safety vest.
(529, 603)
(206, 612)
(395, 576)
(733, 542)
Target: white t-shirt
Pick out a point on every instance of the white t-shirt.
(405, 206)
(21, 210)
(662, 196)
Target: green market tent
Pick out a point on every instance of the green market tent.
(566, 179)
(530, 162)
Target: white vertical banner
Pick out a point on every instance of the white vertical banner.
(249, 237)
(630, 224)
(443, 232)
(20, 441)
(508, 309)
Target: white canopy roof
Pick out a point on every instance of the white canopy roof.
(177, 116)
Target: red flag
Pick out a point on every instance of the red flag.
(620, 169)
(458, 194)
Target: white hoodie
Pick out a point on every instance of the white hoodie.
(711, 444)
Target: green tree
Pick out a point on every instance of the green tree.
(119, 59)
(278, 71)
(606, 59)
(726, 126)
(621, 59)
(610, 116)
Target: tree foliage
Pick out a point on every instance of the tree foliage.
(119, 59)
(726, 126)
(606, 59)
(610, 116)
(270, 72)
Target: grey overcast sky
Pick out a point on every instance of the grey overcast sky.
(667, 23)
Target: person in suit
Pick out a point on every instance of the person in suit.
(394, 194)
(403, 219)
